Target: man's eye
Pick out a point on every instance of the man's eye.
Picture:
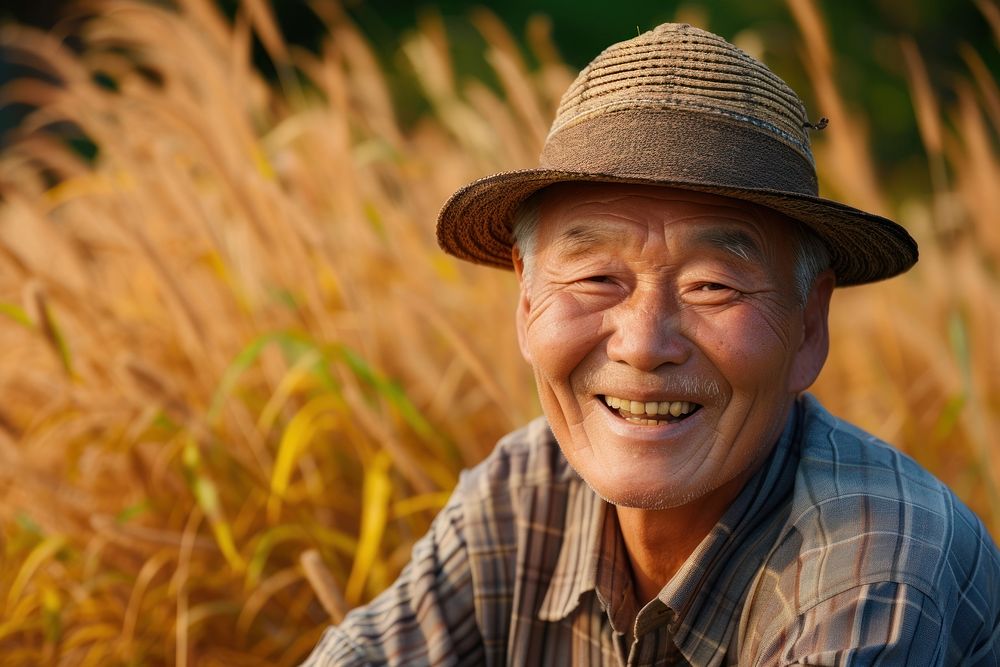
(713, 287)
(597, 279)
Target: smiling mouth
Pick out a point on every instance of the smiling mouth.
(650, 413)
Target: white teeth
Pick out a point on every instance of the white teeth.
(644, 422)
(640, 409)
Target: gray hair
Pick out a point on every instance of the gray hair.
(524, 228)
(812, 257)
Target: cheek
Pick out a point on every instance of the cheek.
(560, 334)
(746, 348)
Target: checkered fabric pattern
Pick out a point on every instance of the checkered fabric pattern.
(839, 551)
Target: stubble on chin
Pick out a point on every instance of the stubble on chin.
(650, 499)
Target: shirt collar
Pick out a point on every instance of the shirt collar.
(590, 534)
(714, 580)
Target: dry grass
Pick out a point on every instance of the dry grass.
(236, 368)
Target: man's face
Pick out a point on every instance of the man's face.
(666, 338)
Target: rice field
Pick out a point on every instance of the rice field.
(238, 376)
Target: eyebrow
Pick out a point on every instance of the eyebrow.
(734, 241)
(579, 240)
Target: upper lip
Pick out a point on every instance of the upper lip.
(647, 397)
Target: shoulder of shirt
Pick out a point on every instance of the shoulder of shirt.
(864, 512)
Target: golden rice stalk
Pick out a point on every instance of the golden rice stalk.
(986, 83)
(324, 585)
(929, 123)
(848, 168)
(505, 57)
(377, 491)
(992, 13)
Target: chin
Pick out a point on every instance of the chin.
(630, 491)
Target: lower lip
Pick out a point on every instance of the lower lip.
(661, 431)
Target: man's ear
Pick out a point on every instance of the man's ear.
(523, 305)
(811, 355)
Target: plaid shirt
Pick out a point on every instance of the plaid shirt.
(840, 550)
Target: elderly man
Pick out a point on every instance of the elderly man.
(682, 501)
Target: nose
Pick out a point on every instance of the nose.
(647, 331)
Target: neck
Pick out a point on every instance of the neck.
(660, 541)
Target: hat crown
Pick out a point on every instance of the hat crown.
(677, 67)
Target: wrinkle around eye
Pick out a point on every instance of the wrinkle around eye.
(599, 284)
(712, 294)
(599, 290)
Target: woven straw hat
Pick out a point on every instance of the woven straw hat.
(681, 107)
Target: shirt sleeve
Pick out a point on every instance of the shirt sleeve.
(427, 617)
(875, 624)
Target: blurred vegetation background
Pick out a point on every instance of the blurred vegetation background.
(238, 378)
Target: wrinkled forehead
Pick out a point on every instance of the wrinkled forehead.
(581, 214)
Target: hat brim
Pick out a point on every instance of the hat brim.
(474, 223)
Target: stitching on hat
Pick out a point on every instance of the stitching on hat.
(696, 42)
(725, 91)
(726, 73)
(680, 76)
